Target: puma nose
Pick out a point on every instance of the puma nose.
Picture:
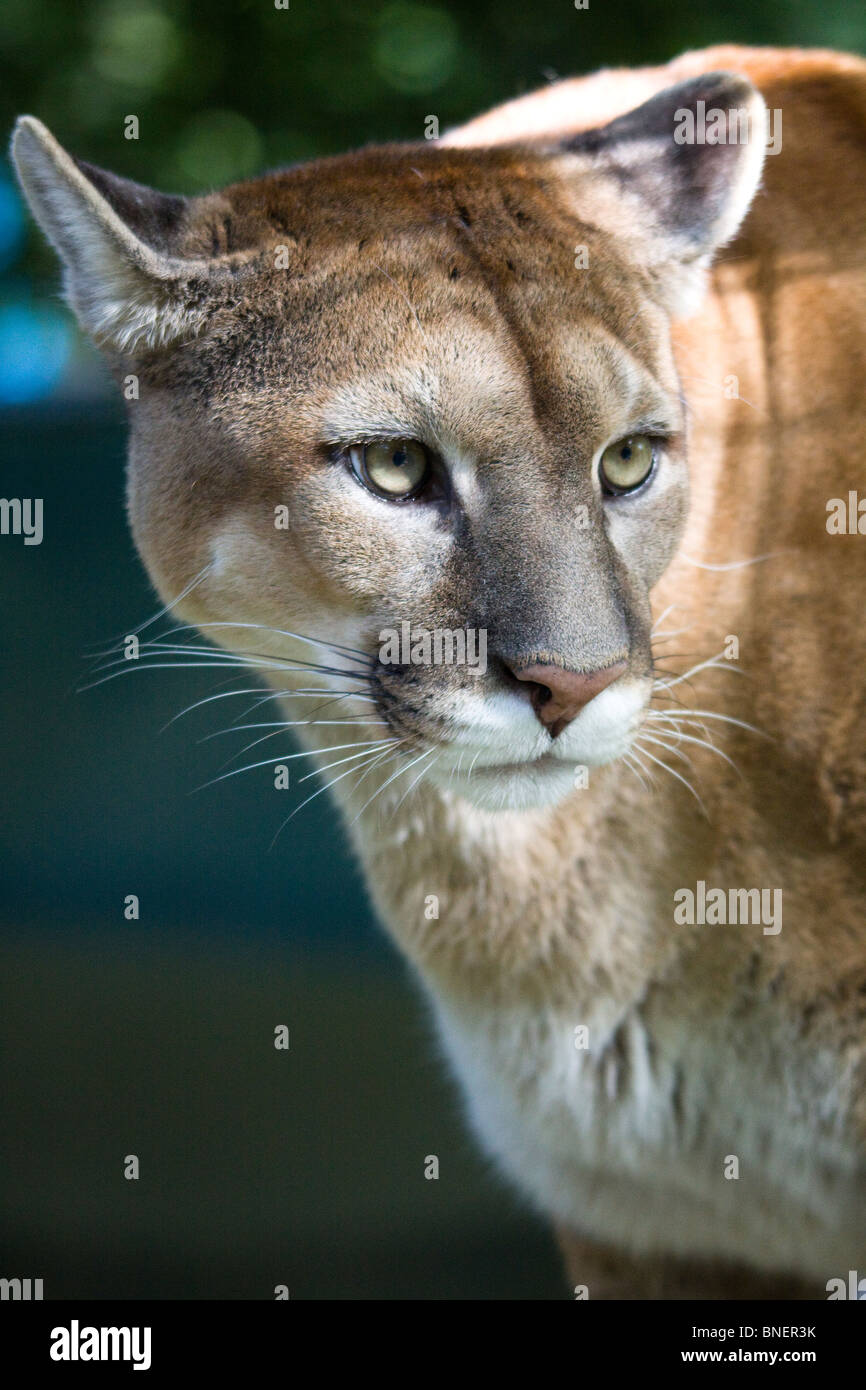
(558, 695)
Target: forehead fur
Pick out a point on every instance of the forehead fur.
(349, 263)
(352, 199)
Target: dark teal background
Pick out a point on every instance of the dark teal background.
(155, 1037)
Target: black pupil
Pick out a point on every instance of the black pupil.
(625, 452)
(399, 458)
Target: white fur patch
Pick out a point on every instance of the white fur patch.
(501, 757)
(625, 1140)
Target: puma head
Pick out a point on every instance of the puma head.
(449, 371)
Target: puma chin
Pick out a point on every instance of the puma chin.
(511, 766)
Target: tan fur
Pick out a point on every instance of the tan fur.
(706, 1041)
(787, 317)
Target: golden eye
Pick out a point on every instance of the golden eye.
(396, 469)
(627, 463)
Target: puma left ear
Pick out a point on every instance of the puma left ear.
(674, 178)
(116, 241)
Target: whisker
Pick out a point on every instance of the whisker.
(671, 747)
(278, 724)
(659, 693)
(326, 767)
(285, 758)
(392, 778)
(333, 700)
(224, 695)
(218, 657)
(275, 632)
(635, 753)
(671, 716)
(735, 564)
(312, 797)
(284, 724)
(660, 619)
(303, 693)
(724, 718)
(257, 690)
(381, 760)
(677, 775)
(212, 665)
(365, 663)
(633, 767)
(705, 743)
(298, 637)
(712, 663)
(415, 782)
(161, 613)
(293, 723)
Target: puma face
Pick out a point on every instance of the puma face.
(419, 385)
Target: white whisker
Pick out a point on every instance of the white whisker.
(686, 715)
(312, 797)
(734, 564)
(633, 768)
(671, 747)
(635, 753)
(288, 757)
(660, 619)
(712, 663)
(675, 774)
(380, 790)
(162, 612)
(415, 782)
(326, 767)
(704, 743)
(263, 699)
(275, 632)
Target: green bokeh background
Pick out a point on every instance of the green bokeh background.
(155, 1038)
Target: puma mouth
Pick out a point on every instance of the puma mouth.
(522, 784)
(504, 759)
(543, 781)
(543, 763)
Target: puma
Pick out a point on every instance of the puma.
(570, 380)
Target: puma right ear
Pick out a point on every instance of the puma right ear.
(673, 178)
(115, 239)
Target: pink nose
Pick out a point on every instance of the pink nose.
(558, 695)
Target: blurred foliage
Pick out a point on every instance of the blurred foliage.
(226, 89)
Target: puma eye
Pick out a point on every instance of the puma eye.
(627, 463)
(396, 469)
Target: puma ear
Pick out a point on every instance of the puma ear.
(674, 177)
(114, 238)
